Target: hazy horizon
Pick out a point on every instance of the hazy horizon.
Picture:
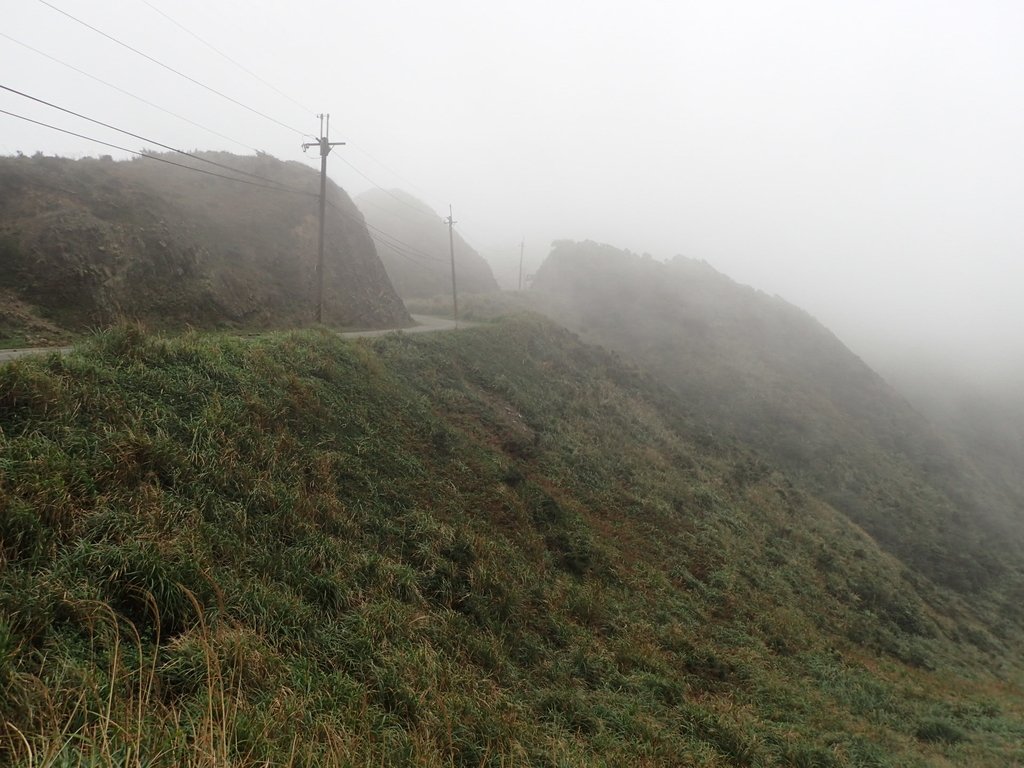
(862, 162)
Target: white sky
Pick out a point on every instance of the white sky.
(863, 159)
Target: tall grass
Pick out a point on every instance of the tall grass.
(497, 547)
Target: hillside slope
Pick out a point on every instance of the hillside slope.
(492, 547)
(986, 418)
(426, 271)
(753, 366)
(84, 243)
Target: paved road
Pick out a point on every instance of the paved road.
(424, 324)
(6, 355)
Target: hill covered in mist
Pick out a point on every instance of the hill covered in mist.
(412, 241)
(86, 242)
(754, 367)
(500, 546)
(986, 417)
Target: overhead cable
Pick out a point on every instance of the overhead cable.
(388, 239)
(128, 93)
(151, 156)
(169, 68)
(388, 168)
(224, 56)
(388, 192)
(151, 141)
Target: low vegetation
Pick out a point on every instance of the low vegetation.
(492, 547)
(755, 367)
(90, 242)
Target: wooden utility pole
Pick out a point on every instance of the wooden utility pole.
(325, 149)
(451, 249)
(522, 245)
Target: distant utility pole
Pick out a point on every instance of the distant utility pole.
(522, 245)
(325, 149)
(451, 249)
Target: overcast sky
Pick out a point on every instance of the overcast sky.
(864, 160)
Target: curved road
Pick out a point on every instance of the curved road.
(424, 324)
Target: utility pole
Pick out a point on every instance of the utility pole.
(325, 149)
(522, 245)
(451, 249)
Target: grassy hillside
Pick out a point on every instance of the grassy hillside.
(986, 417)
(492, 547)
(85, 243)
(419, 263)
(753, 366)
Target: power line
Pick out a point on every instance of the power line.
(384, 235)
(402, 251)
(170, 68)
(386, 238)
(149, 140)
(390, 170)
(427, 214)
(388, 192)
(398, 245)
(400, 248)
(394, 249)
(424, 213)
(128, 93)
(395, 243)
(223, 55)
(414, 261)
(211, 90)
(148, 155)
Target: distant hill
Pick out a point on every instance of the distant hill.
(83, 243)
(753, 366)
(412, 241)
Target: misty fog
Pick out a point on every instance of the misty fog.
(860, 160)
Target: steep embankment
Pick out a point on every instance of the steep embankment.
(412, 241)
(756, 367)
(84, 243)
(491, 547)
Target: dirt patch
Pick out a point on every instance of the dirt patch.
(20, 325)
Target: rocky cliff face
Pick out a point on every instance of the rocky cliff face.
(84, 243)
(412, 241)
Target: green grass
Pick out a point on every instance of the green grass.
(13, 340)
(752, 366)
(484, 548)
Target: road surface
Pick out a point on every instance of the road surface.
(424, 324)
